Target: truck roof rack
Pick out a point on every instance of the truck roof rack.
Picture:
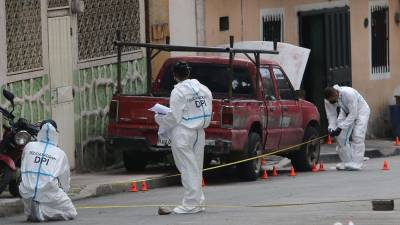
(178, 48)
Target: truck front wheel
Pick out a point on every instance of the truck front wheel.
(303, 159)
(250, 170)
(134, 161)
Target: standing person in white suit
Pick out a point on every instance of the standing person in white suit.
(46, 178)
(352, 121)
(191, 110)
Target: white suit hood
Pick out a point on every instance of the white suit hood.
(48, 134)
(191, 85)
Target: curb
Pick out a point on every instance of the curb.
(96, 190)
(11, 207)
(370, 153)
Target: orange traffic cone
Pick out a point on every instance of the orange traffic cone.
(385, 165)
(203, 183)
(321, 167)
(133, 186)
(292, 172)
(329, 140)
(314, 168)
(144, 186)
(262, 162)
(274, 172)
(397, 141)
(265, 175)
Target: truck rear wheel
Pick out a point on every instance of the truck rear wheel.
(250, 170)
(134, 161)
(303, 159)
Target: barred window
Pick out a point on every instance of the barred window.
(379, 39)
(272, 26)
(97, 26)
(24, 35)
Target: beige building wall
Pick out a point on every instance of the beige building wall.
(158, 16)
(244, 18)
(378, 93)
(216, 9)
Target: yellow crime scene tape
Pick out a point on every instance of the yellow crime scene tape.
(214, 168)
(238, 162)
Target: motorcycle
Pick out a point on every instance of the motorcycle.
(15, 136)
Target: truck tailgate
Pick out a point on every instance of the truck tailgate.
(134, 110)
(133, 119)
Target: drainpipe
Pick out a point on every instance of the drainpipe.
(200, 22)
(148, 51)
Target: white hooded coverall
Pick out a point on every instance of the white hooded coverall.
(353, 120)
(46, 179)
(191, 111)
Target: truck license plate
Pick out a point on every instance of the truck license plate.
(163, 142)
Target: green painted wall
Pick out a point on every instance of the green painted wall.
(32, 98)
(94, 88)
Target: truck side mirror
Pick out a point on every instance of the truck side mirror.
(299, 94)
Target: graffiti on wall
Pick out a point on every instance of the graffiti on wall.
(94, 88)
(32, 98)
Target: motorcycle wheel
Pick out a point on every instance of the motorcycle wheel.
(5, 176)
(13, 188)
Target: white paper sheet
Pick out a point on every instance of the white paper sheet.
(293, 59)
(160, 109)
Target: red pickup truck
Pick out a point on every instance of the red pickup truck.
(255, 120)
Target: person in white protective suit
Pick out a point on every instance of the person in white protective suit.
(191, 110)
(46, 178)
(351, 123)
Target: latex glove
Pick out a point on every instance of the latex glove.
(163, 135)
(336, 132)
(157, 118)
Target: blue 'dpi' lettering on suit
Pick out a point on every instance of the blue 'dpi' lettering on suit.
(202, 106)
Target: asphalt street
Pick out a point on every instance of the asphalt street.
(309, 198)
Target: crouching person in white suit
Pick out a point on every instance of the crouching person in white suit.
(46, 178)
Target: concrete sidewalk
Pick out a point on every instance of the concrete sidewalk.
(376, 148)
(116, 181)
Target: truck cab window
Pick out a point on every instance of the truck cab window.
(284, 88)
(267, 83)
(241, 83)
(215, 77)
